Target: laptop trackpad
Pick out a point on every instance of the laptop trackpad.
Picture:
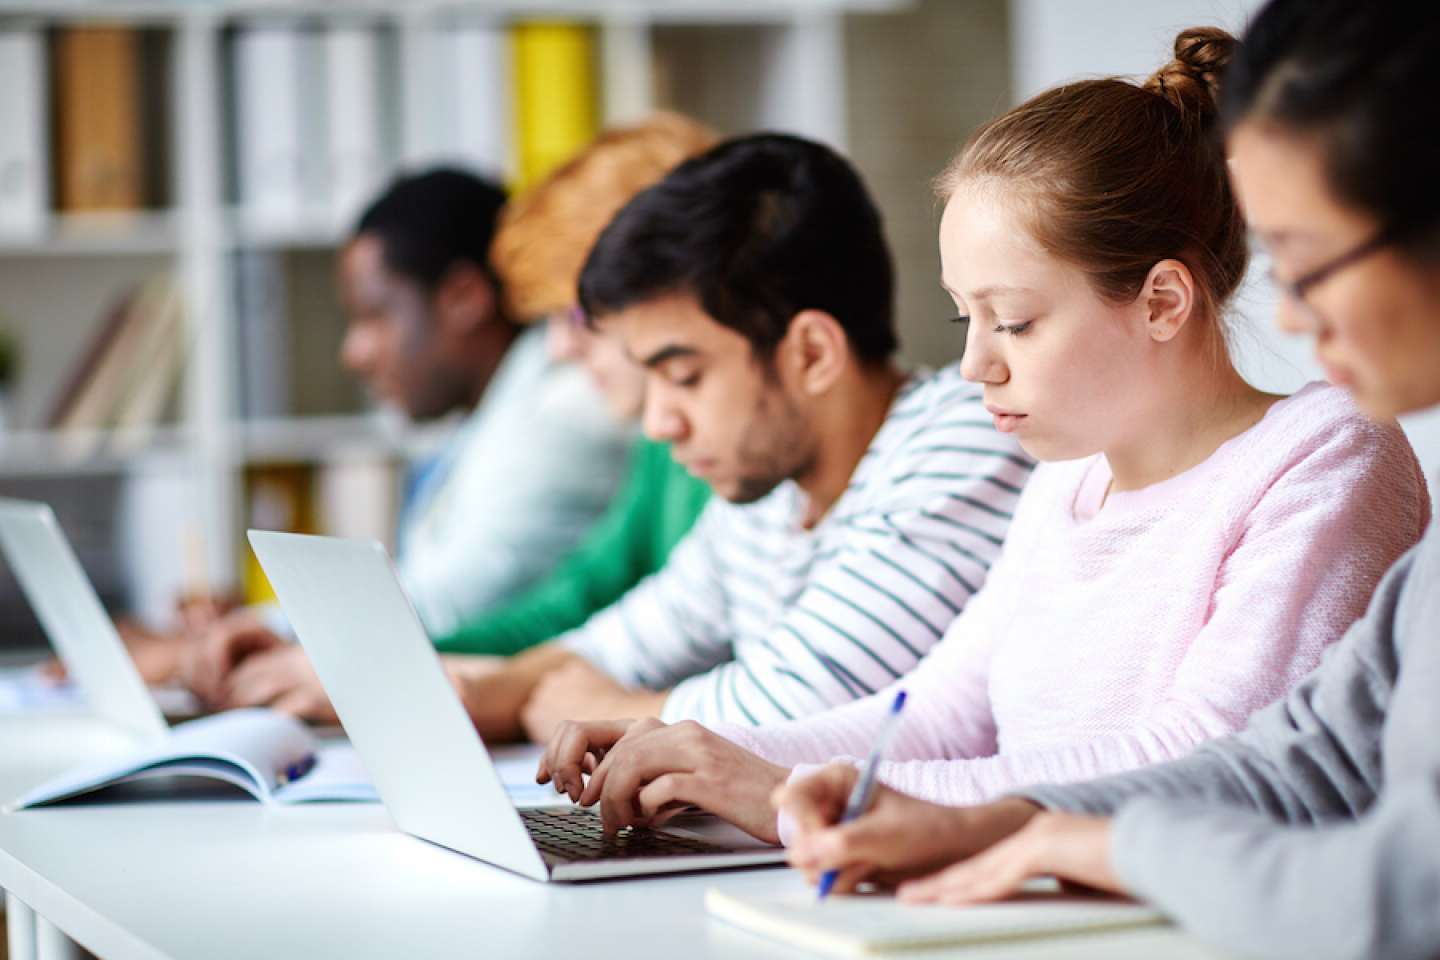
(714, 830)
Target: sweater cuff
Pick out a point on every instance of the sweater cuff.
(1142, 839)
(1071, 798)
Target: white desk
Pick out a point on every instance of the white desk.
(33, 748)
(228, 878)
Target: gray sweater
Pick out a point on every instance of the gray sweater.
(1315, 831)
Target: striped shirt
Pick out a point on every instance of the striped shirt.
(755, 619)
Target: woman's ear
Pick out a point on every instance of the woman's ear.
(816, 349)
(1170, 299)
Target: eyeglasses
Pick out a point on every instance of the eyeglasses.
(1298, 288)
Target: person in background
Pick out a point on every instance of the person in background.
(857, 507)
(527, 472)
(543, 240)
(540, 246)
(1187, 549)
(1315, 831)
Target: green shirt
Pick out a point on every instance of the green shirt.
(655, 508)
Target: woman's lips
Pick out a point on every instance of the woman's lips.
(1006, 421)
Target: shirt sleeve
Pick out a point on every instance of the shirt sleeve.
(1361, 889)
(515, 508)
(908, 560)
(673, 624)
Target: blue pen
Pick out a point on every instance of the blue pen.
(297, 770)
(865, 786)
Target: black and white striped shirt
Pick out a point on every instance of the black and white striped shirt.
(755, 619)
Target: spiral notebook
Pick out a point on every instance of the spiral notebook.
(866, 926)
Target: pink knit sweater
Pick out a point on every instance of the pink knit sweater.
(1107, 639)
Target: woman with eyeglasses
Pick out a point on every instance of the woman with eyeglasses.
(1315, 831)
(1190, 545)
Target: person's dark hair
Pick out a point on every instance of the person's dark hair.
(1360, 80)
(430, 221)
(1115, 177)
(757, 229)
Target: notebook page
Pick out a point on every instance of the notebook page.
(870, 925)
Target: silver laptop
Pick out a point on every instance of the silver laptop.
(69, 610)
(428, 764)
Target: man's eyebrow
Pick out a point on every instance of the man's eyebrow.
(667, 353)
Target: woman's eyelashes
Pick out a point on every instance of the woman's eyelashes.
(1014, 329)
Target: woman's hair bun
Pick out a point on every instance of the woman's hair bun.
(1191, 82)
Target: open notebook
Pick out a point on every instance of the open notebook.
(862, 926)
(269, 755)
(272, 757)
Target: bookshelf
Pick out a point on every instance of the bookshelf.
(736, 64)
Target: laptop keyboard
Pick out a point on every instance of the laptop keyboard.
(577, 835)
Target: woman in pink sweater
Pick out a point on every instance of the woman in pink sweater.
(1191, 545)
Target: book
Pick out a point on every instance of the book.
(24, 153)
(150, 387)
(875, 925)
(269, 755)
(99, 134)
(127, 375)
(96, 349)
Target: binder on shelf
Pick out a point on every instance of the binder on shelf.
(24, 155)
(456, 106)
(280, 145)
(261, 311)
(99, 137)
(556, 110)
(482, 62)
(357, 162)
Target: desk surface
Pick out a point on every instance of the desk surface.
(225, 878)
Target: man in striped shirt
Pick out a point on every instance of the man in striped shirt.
(858, 508)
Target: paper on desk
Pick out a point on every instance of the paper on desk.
(339, 774)
(27, 690)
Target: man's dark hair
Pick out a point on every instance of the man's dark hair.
(430, 221)
(1360, 79)
(757, 229)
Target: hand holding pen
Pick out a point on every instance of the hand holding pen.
(864, 788)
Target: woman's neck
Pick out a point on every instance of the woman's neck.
(1198, 408)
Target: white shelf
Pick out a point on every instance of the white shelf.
(667, 11)
(141, 233)
(326, 439)
(53, 452)
(306, 233)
